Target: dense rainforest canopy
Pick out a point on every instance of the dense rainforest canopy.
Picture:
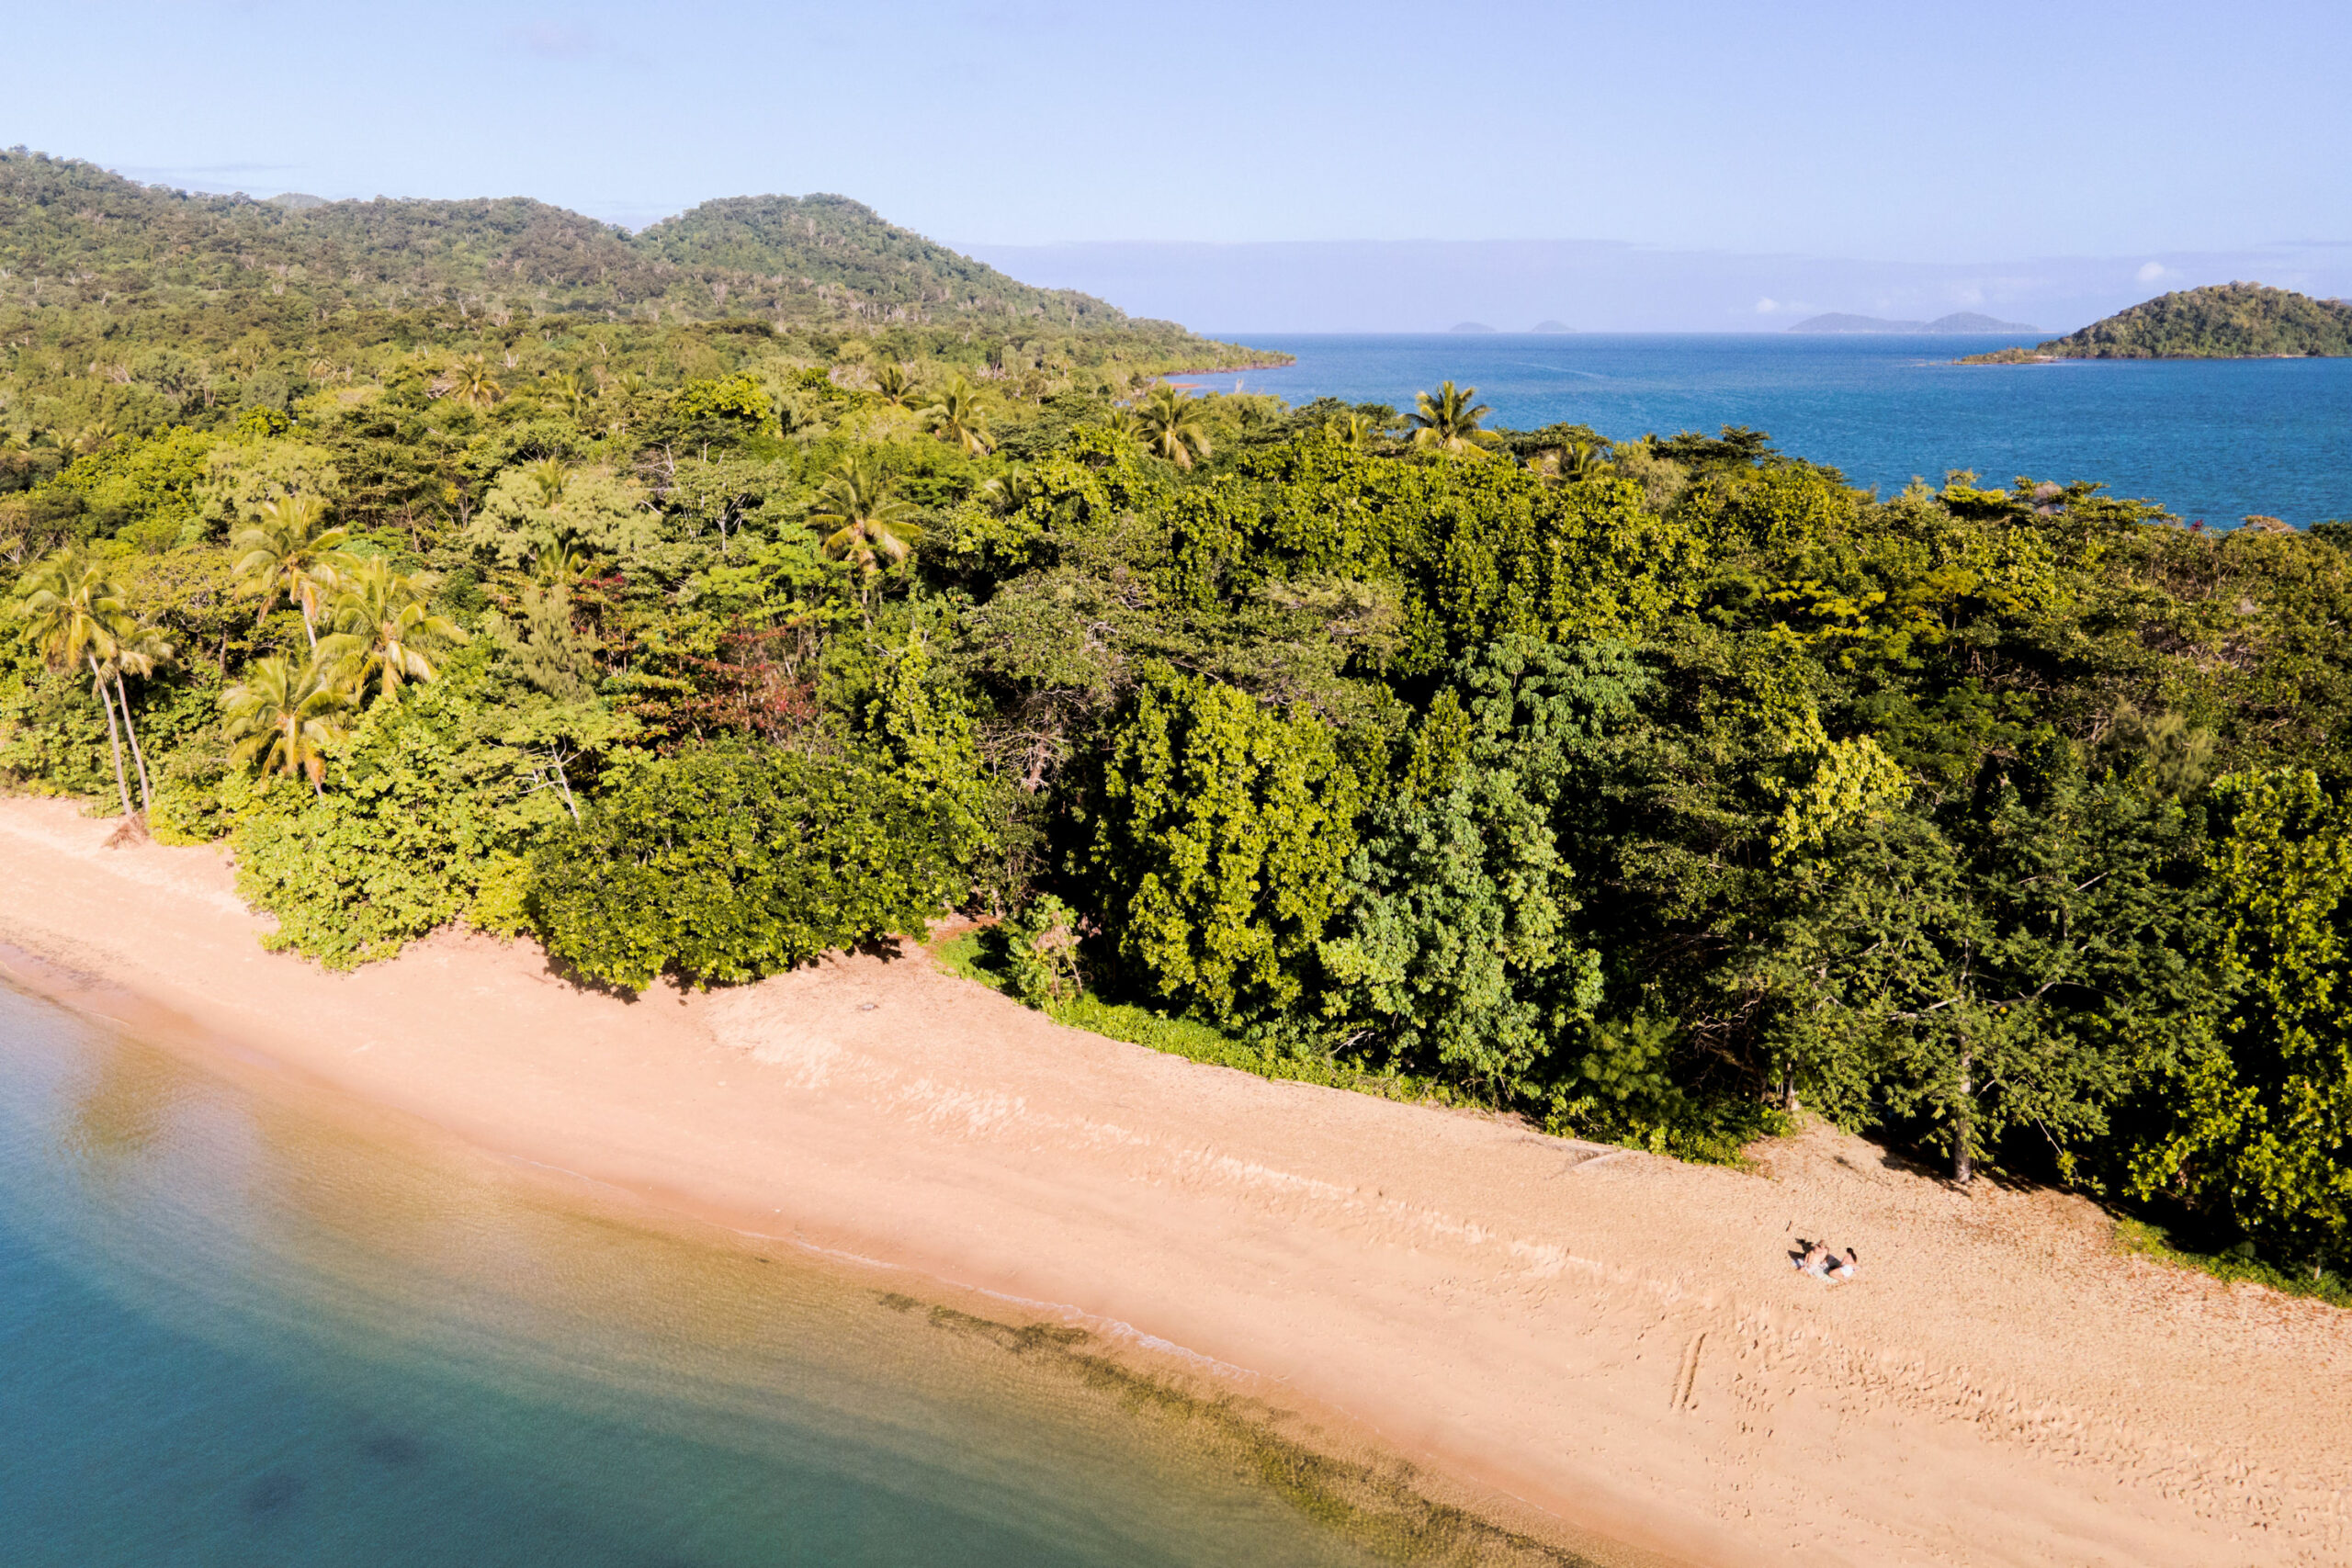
(1646, 787)
(2224, 321)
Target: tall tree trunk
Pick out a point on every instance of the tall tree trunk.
(114, 735)
(130, 731)
(1963, 1128)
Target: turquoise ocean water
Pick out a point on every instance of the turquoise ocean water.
(2213, 440)
(235, 1331)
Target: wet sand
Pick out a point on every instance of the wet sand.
(1610, 1337)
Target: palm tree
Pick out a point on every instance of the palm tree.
(292, 551)
(73, 611)
(895, 386)
(1578, 461)
(1352, 430)
(956, 414)
(380, 619)
(1010, 492)
(621, 394)
(565, 391)
(283, 716)
(868, 522)
(470, 382)
(559, 563)
(139, 650)
(1171, 426)
(1447, 422)
(88, 438)
(551, 478)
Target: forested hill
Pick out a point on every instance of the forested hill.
(2226, 321)
(839, 251)
(73, 234)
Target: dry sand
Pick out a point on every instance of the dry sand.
(1612, 1336)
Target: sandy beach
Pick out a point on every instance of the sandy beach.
(1610, 1337)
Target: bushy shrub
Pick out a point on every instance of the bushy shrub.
(727, 862)
(1041, 954)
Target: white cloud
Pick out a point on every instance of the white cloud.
(1765, 307)
(2153, 271)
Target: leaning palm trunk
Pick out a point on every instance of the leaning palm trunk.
(114, 735)
(146, 791)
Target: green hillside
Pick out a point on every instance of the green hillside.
(2226, 321)
(170, 301)
(831, 249)
(72, 232)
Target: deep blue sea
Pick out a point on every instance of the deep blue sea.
(2215, 440)
(236, 1330)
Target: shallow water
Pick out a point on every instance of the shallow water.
(236, 1328)
(2214, 440)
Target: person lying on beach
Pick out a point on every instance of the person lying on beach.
(1842, 1271)
(1815, 1259)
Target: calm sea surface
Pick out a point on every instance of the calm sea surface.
(236, 1332)
(2210, 439)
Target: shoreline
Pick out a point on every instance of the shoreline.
(2032, 358)
(1169, 377)
(1613, 1338)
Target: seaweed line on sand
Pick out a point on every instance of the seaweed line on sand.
(1376, 1506)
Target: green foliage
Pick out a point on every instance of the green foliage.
(1475, 549)
(704, 599)
(147, 492)
(2221, 320)
(1220, 833)
(727, 863)
(1041, 965)
(736, 400)
(2239, 1264)
(423, 819)
(2257, 1112)
(545, 509)
(917, 727)
(980, 956)
(241, 476)
(1624, 1090)
(2013, 959)
(66, 217)
(1457, 951)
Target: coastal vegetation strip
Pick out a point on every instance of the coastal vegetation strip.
(1648, 788)
(1004, 958)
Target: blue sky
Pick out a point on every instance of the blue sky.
(1900, 134)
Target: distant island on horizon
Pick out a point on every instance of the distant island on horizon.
(1959, 322)
(2221, 320)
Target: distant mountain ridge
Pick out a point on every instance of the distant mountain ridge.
(1958, 322)
(2222, 320)
(72, 233)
